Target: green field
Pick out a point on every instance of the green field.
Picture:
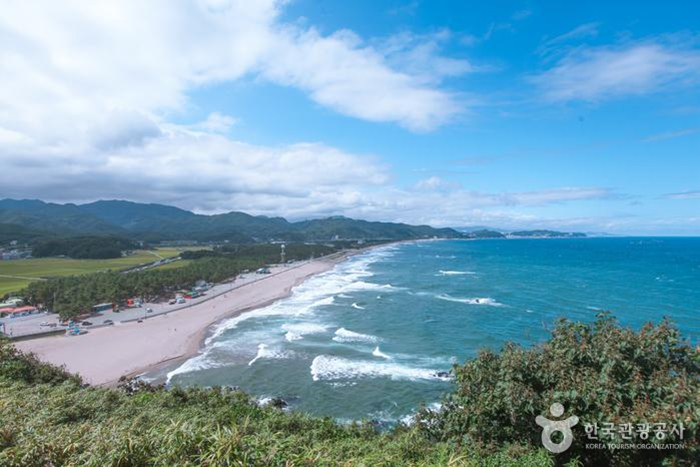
(16, 274)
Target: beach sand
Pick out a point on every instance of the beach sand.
(103, 355)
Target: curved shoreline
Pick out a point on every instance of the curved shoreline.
(127, 349)
(197, 341)
(106, 354)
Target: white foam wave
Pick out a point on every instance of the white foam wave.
(344, 335)
(200, 362)
(264, 400)
(292, 336)
(265, 352)
(305, 298)
(361, 285)
(319, 290)
(296, 331)
(295, 306)
(470, 301)
(357, 307)
(378, 353)
(203, 361)
(327, 368)
(455, 273)
(435, 407)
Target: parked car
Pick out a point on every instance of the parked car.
(108, 322)
(87, 323)
(172, 302)
(45, 323)
(149, 310)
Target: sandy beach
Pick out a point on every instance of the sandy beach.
(105, 354)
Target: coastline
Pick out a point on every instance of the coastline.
(104, 355)
(197, 341)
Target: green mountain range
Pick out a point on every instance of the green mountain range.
(157, 222)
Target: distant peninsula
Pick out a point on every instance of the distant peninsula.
(489, 233)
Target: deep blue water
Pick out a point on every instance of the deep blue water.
(367, 339)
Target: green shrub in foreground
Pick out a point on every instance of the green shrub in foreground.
(600, 372)
(50, 419)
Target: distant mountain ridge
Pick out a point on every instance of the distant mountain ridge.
(490, 232)
(157, 222)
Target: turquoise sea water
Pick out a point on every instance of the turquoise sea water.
(368, 338)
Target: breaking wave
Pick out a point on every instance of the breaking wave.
(327, 368)
(344, 335)
(470, 301)
(265, 352)
(296, 331)
(455, 273)
(378, 353)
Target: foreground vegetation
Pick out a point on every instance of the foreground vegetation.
(600, 372)
(48, 418)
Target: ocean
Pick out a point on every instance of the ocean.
(373, 337)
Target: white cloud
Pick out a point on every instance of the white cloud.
(671, 135)
(117, 129)
(430, 183)
(597, 73)
(419, 56)
(89, 92)
(194, 170)
(684, 195)
(81, 58)
(216, 122)
(434, 202)
(558, 196)
(342, 73)
(580, 32)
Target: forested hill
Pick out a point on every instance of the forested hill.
(157, 222)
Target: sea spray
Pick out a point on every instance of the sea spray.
(378, 353)
(297, 331)
(345, 335)
(265, 352)
(456, 273)
(328, 368)
(470, 301)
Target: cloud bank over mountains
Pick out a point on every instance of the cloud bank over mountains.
(91, 93)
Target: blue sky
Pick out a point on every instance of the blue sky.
(511, 114)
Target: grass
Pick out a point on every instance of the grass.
(8, 284)
(62, 424)
(26, 270)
